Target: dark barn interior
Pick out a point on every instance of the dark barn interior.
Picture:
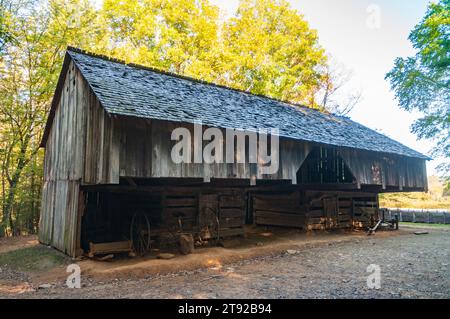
(110, 183)
(210, 212)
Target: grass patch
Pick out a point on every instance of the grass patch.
(419, 225)
(37, 258)
(435, 198)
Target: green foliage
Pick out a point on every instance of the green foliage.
(422, 82)
(4, 34)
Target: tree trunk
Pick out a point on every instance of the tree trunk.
(13, 182)
(2, 230)
(9, 203)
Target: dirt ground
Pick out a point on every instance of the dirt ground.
(269, 264)
(14, 243)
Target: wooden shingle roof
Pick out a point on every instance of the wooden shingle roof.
(131, 90)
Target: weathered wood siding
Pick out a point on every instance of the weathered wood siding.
(101, 158)
(81, 149)
(145, 152)
(386, 170)
(282, 209)
(63, 167)
(78, 151)
(315, 210)
(141, 148)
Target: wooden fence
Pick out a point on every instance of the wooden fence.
(429, 216)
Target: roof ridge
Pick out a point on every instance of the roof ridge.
(192, 79)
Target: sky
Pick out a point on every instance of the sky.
(365, 37)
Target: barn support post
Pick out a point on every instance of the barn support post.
(81, 209)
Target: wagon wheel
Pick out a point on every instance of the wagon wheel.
(140, 233)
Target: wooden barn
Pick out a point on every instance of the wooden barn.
(109, 178)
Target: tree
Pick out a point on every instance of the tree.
(175, 35)
(5, 35)
(28, 76)
(3, 32)
(270, 49)
(334, 94)
(422, 82)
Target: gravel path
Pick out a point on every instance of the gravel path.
(412, 266)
